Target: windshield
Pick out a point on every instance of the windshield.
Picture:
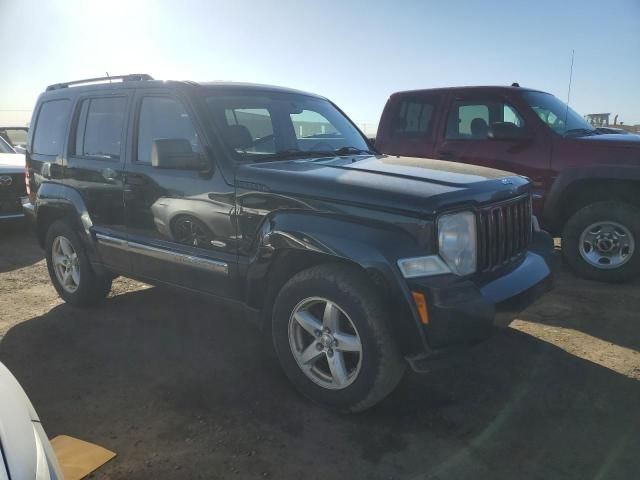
(265, 126)
(557, 115)
(5, 147)
(15, 136)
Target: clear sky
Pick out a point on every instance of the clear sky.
(354, 52)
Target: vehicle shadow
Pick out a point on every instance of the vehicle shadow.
(605, 311)
(19, 245)
(181, 388)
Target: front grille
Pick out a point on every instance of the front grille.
(15, 189)
(504, 232)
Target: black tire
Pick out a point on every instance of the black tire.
(382, 365)
(611, 211)
(92, 288)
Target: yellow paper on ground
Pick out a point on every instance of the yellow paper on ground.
(78, 458)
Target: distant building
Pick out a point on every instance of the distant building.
(598, 119)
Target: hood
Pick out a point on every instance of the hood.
(12, 163)
(417, 185)
(614, 139)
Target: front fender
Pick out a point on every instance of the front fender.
(571, 176)
(371, 245)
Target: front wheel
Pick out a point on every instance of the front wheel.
(331, 333)
(600, 241)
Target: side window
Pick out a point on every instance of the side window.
(50, 127)
(510, 115)
(470, 120)
(100, 125)
(474, 119)
(414, 117)
(250, 130)
(163, 117)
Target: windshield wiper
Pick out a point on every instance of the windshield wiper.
(580, 132)
(351, 150)
(297, 153)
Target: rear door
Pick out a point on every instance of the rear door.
(180, 222)
(95, 167)
(409, 125)
(464, 136)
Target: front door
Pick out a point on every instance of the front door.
(465, 137)
(180, 222)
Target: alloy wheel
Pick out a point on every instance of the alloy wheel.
(66, 264)
(325, 343)
(192, 233)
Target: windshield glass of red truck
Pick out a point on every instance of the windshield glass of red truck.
(558, 115)
(271, 126)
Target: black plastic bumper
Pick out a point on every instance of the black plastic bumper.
(463, 312)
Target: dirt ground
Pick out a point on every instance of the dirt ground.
(180, 388)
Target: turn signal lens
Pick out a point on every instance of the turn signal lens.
(422, 266)
(421, 304)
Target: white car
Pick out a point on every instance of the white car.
(16, 137)
(25, 451)
(12, 185)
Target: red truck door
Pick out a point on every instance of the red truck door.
(491, 130)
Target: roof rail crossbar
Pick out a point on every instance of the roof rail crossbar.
(132, 77)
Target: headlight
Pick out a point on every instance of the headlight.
(457, 242)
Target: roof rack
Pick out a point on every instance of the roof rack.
(132, 77)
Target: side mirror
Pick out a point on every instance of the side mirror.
(175, 153)
(506, 131)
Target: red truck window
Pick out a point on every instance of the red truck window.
(472, 119)
(414, 116)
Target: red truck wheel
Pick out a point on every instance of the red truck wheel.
(601, 241)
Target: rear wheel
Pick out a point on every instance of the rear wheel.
(600, 241)
(332, 337)
(69, 268)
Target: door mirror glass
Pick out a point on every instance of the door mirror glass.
(175, 153)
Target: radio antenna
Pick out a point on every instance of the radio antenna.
(566, 114)
(108, 76)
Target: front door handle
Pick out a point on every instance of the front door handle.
(133, 179)
(445, 155)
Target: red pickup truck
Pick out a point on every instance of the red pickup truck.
(586, 181)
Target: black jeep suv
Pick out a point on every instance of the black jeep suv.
(271, 199)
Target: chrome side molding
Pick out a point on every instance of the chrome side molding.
(208, 264)
(111, 241)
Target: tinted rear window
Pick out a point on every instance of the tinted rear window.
(51, 127)
(414, 116)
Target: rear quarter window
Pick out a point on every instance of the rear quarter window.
(414, 116)
(50, 127)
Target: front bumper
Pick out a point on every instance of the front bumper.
(463, 312)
